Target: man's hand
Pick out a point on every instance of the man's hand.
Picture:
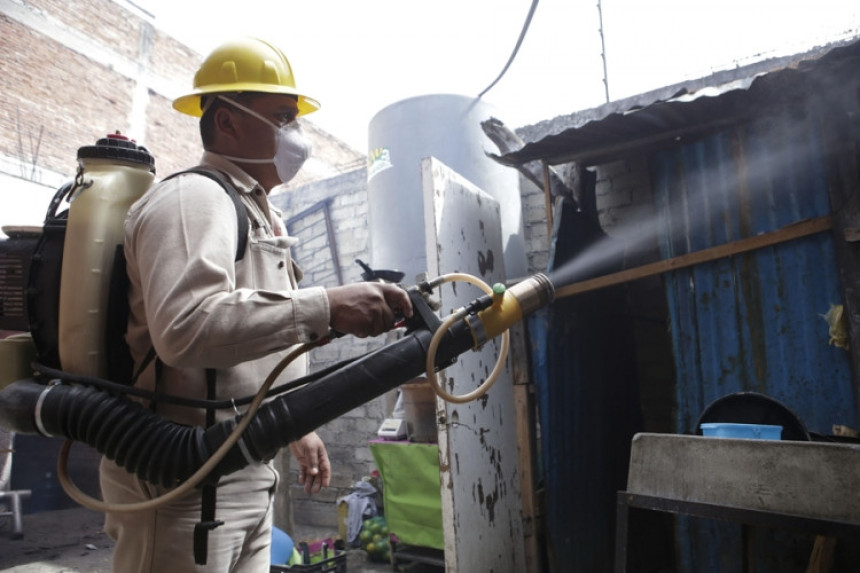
(314, 467)
(367, 309)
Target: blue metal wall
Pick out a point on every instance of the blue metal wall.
(752, 322)
(588, 403)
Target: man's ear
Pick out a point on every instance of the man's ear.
(225, 123)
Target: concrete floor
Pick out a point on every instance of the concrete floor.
(72, 541)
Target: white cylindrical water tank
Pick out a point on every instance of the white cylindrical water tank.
(447, 127)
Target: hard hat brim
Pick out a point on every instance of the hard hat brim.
(190, 104)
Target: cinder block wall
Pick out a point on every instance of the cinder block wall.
(346, 437)
(623, 191)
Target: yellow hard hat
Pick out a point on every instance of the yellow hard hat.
(244, 65)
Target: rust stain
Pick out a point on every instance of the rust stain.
(486, 263)
(491, 506)
(488, 500)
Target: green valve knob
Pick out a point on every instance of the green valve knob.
(499, 289)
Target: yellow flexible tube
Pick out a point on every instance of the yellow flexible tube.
(430, 364)
(97, 505)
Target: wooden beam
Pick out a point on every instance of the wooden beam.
(821, 559)
(538, 172)
(524, 405)
(787, 233)
(548, 203)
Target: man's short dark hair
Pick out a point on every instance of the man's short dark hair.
(211, 103)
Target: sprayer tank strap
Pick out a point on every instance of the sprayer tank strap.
(209, 490)
(243, 225)
(242, 215)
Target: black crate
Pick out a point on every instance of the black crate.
(15, 256)
(334, 564)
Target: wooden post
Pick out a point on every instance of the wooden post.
(525, 421)
(787, 233)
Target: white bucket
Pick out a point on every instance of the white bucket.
(17, 352)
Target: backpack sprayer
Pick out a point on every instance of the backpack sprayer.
(83, 407)
(167, 453)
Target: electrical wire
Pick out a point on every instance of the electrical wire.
(516, 48)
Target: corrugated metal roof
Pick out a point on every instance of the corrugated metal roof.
(609, 131)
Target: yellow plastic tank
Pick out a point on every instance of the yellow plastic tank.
(112, 175)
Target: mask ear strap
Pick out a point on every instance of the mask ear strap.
(246, 160)
(207, 104)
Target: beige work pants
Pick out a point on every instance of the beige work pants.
(160, 540)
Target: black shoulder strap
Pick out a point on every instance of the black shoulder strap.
(207, 514)
(209, 490)
(242, 215)
(208, 521)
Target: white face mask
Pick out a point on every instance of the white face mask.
(292, 147)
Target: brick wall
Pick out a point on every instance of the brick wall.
(172, 138)
(626, 207)
(626, 212)
(106, 23)
(70, 76)
(51, 103)
(73, 72)
(535, 230)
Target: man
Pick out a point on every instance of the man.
(203, 311)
